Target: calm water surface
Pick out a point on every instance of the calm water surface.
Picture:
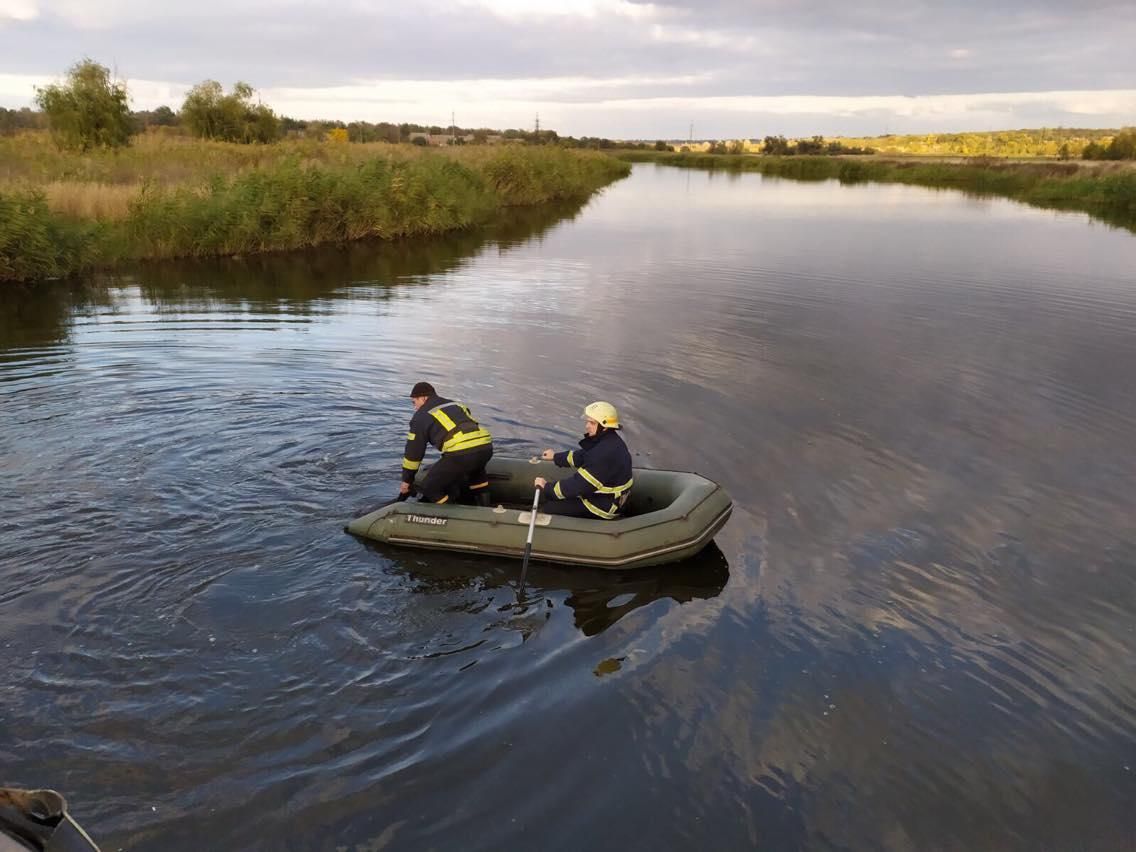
(918, 631)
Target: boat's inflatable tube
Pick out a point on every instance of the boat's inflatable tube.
(670, 516)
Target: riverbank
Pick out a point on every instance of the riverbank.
(62, 214)
(1106, 190)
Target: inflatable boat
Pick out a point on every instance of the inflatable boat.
(670, 516)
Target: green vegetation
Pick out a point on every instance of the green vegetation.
(94, 200)
(89, 110)
(1120, 147)
(816, 146)
(208, 113)
(34, 243)
(777, 146)
(1107, 191)
(15, 120)
(62, 213)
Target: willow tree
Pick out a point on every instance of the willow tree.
(211, 114)
(88, 110)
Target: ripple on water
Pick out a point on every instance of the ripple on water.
(917, 632)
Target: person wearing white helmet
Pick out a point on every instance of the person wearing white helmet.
(602, 481)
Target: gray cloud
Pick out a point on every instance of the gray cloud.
(733, 48)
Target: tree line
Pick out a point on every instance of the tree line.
(816, 146)
(90, 109)
(1067, 143)
(1122, 146)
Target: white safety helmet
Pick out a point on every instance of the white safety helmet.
(603, 413)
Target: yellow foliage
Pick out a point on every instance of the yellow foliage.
(338, 134)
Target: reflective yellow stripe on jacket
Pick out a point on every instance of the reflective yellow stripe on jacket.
(614, 490)
(447, 422)
(598, 512)
(467, 441)
(460, 440)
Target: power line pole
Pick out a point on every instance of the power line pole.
(537, 130)
(451, 127)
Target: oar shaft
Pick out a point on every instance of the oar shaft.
(528, 541)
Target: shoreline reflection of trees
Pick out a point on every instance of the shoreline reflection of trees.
(41, 314)
(290, 282)
(277, 283)
(597, 597)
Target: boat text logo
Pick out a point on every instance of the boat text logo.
(426, 519)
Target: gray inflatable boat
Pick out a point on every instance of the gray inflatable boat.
(670, 516)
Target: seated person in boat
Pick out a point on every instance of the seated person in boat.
(466, 448)
(602, 482)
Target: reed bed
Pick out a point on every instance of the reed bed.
(62, 214)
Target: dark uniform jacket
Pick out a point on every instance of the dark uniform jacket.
(445, 424)
(603, 475)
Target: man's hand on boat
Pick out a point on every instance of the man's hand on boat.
(548, 455)
(404, 488)
(540, 482)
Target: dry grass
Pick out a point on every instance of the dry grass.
(100, 185)
(62, 213)
(99, 201)
(31, 159)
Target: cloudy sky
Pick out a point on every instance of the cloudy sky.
(616, 68)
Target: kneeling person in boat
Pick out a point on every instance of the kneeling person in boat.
(602, 482)
(465, 445)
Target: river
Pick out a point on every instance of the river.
(917, 631)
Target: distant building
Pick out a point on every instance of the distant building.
(446, 138)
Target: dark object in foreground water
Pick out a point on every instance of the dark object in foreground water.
(38, 820)
(670, 517)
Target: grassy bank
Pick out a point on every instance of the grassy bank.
(1104, 190)
(61, 214)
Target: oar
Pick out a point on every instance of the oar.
(528, 542)
(399, 499)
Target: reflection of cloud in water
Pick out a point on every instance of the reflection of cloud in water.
(928, 434)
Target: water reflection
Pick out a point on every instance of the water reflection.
(598, 598)
(288, 283)
(40, 315)
(923, 409)
(298, 282)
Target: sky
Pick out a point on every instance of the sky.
(616, 68)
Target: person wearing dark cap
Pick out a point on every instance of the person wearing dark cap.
(465, 445)
(602, 482)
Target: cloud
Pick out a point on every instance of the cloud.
(651, 106)
(588, 59)
(522, 9)
(18, 10)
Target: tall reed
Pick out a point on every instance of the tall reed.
(62, 214)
